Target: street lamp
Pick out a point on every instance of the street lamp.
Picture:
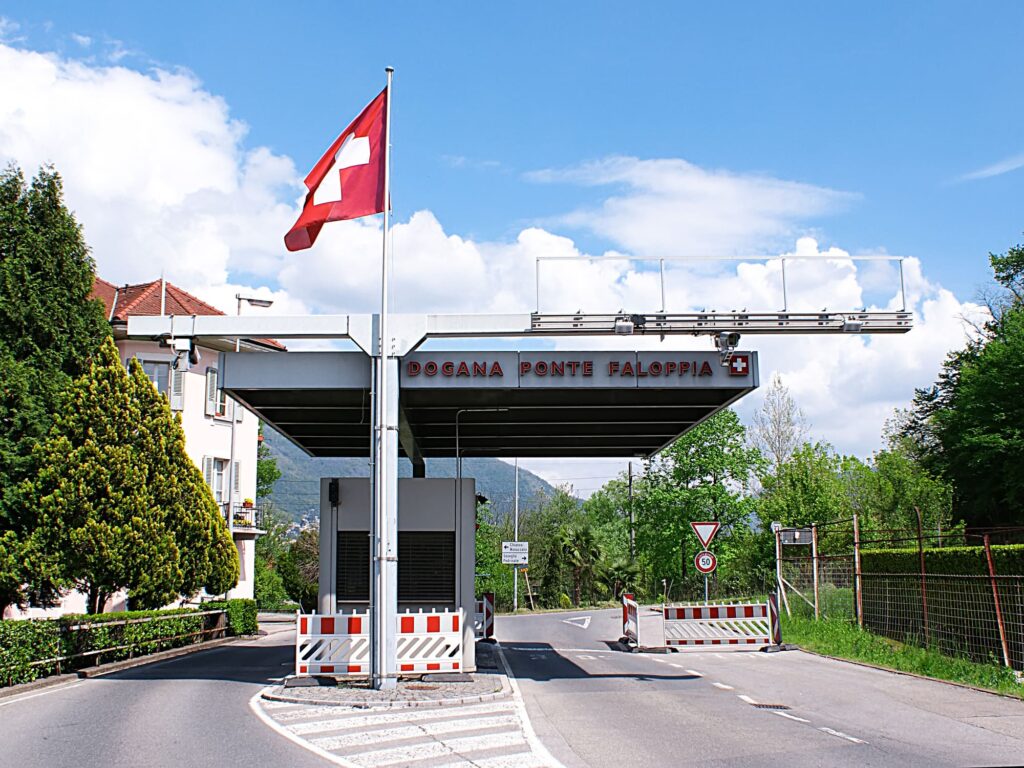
(252, 301)
(458, 454)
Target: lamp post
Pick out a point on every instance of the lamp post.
(458, 454)
(252, 301)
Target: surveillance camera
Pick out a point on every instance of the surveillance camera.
(623, 326)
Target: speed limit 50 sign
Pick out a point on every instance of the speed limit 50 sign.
(705, 562)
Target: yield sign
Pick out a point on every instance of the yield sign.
(705, 532)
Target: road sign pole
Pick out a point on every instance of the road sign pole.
(705, 590)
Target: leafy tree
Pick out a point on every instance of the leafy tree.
(967, 426)
(704, 475)
(267, 472)
(578, 549)
(300, 568)
(268, 587)
(779, 426)
(809, 488)
(49, 328)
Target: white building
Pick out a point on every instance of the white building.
(209, 418)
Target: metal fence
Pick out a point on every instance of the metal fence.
(980, 617)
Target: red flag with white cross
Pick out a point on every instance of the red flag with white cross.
(348, 181)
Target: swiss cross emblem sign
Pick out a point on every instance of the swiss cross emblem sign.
(739, 365)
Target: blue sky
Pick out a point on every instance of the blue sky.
(183, 131)
(892, 102)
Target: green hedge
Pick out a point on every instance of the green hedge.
(104, 637)
(241, 615)
(1008, 560)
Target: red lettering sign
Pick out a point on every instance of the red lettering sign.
(413, 369)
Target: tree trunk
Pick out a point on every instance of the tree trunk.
(577, 586)
(97, 599)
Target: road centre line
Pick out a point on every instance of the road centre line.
(842, 735)
(693, 672)
(744, 697)
(789, 716)
(723, 686)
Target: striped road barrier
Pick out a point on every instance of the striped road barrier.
(483, 619)
(740, 624)
(339, 644)
(630, 620)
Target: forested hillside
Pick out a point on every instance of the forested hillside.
(296, 492)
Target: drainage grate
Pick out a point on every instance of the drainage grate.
(771, 706)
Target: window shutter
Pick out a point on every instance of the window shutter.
(235, 480)
(211, 391)
(208, 470)
(177, 390)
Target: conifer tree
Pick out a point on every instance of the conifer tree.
(49, 328)
(207, 556)
(94, 492)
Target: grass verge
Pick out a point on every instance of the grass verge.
(840, 638)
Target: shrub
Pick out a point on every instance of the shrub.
(1008, 560)
(81, 640)
(564, 601)
(241, 614)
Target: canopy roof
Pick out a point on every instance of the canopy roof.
(539, 404)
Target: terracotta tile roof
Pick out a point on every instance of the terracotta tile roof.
(144, 299)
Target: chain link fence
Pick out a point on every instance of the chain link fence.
(976, 616)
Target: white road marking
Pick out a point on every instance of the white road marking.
(586, 657)
(842, 735)
(660, 661)
(254, 705)
(723, 686)
(744, 697)
(677, 666)
(404, 755)
(414, 731)
(404, 715)
(693, 672)
(531, 737)
(581, 621)
(56, 688)
(789, 716)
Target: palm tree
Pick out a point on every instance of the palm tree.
(618, 575)
(578, 548)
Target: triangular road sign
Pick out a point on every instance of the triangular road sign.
(705, 532)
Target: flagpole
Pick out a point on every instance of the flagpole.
(384, 602)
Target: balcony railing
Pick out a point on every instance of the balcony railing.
(244, 517)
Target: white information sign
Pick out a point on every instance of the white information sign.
(515, 552)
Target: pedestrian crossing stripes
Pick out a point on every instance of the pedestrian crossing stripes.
(486, 735)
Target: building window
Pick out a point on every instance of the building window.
(220, 475)
(157, 372)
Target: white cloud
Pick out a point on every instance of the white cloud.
(669, 207)
(997, 168)
(83, 40)
(161, 177)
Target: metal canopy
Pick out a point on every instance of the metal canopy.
(539, 404)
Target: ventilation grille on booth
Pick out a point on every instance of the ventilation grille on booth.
(426, 567)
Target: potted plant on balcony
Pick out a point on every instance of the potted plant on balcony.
(247, 504)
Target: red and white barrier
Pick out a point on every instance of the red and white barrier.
(339, 644)
(430, 642)
(483, 619)
(743, 624)
(630, 620)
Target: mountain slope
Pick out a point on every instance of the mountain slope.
(297, 491)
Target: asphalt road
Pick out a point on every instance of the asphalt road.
(189, 711)
(589, 705)
(601, 708)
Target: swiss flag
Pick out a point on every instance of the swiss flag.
(739, 365)
(348, 181)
